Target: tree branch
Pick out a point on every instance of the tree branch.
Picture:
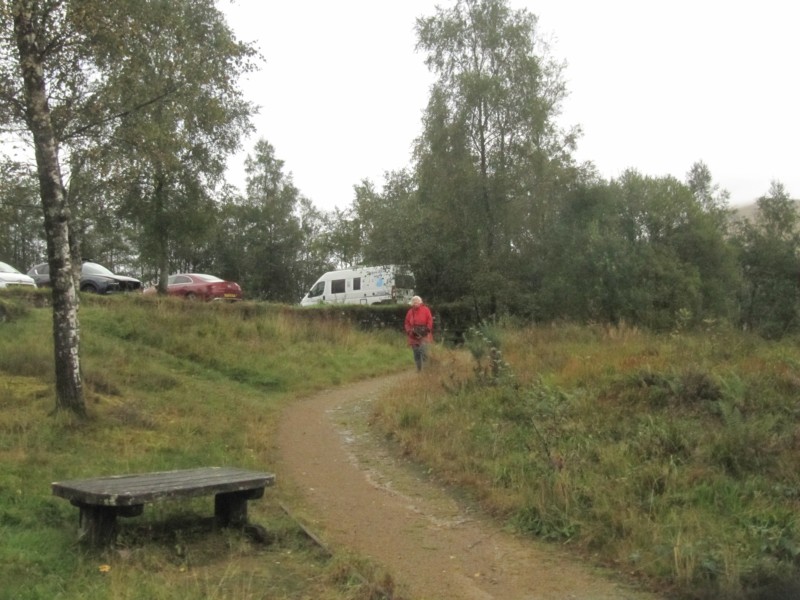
(119, 115)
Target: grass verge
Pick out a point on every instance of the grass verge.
(170, 385)
(673, 458)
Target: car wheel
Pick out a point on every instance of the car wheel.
(89, 287)
(191, 296)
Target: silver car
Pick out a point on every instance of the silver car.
(10, 277)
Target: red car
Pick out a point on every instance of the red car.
(203, 287)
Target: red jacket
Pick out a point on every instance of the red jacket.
(415, 317)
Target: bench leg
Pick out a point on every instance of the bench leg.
(98, 524)
(230, 508)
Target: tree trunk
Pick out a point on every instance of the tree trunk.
(66, 332)
(161, 235)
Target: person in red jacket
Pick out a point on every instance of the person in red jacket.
(419, 329)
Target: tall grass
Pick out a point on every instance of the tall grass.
(169, 385)
(672, 458)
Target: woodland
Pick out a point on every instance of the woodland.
(131, 110)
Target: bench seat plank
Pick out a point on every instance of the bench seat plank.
(130, 490)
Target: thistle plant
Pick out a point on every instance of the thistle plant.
(490, 367)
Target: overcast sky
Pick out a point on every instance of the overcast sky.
(655, 86)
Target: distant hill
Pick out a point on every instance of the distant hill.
(745, 212)
(749, 211)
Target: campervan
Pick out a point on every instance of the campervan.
(362, 285)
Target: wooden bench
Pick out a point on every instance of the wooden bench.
(103, 499)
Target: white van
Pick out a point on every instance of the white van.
(362, 285)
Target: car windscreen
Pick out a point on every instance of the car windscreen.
(6, 268)
(95, 269)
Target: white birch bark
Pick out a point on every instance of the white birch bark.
(66, 330)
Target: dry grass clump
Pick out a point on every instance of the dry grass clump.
(672, 458)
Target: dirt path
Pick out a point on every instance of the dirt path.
(360, 498)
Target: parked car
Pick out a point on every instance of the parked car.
(95, 278)
(10, 277)
(200, 286)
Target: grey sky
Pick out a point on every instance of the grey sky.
(655, 86)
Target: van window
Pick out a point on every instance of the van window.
(356, 283)
(317, 290)
(337, 286)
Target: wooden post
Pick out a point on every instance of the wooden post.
(230, 508)
(98, 524)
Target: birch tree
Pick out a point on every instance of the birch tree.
(87, 76)
(491, 147)
(40, 34)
